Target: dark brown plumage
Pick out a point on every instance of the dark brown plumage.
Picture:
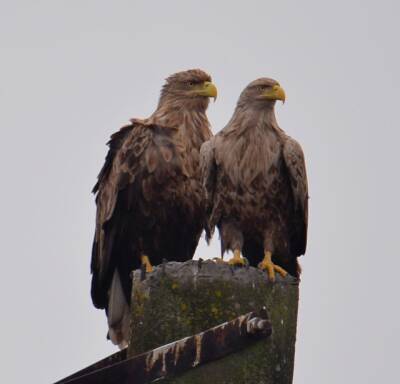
(256, 185)
(149, 194)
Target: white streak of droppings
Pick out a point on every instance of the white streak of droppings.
(197, 340)
(178, 350)
(164, 366)
(243, 319)
(156, 355)
(159, 353)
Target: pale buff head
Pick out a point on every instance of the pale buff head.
(189, 90)
(262, 93)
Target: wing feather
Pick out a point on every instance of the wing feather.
(114, 144)
(124, 164)
(141, 163)
(295, 163)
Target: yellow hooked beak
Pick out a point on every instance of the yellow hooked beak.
(275, 93)
(207, 89)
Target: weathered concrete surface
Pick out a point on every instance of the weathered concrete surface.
(181, 299)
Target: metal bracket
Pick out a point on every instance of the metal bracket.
(178, 356)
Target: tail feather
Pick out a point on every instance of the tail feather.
(118, 313)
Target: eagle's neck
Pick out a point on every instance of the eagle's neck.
(189, 120)
(253, 138)
(247, 119)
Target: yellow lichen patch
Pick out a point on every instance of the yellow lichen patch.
(214, 310)
(140, 299)
(174, 285)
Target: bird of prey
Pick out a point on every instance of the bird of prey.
(149, 194)
(255, 182)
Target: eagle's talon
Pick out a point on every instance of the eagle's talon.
(267, 265)
(146, 263)
(237, 259)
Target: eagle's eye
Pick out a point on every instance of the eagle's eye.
(190, 83)
(262, 88)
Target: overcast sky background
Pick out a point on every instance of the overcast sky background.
(72, 72)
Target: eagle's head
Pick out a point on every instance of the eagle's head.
(262, 92)
(188, 89)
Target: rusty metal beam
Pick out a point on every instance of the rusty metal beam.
(104, 363)
(177, 356)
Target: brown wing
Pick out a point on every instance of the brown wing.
(140, 160)
(294, 160)
(114, 144)
(145, 176)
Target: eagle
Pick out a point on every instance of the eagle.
(255, 183)
(149, 198)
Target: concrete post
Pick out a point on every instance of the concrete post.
(182, 299)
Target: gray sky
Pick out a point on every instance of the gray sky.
(72, 72)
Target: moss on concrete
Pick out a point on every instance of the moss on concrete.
(181, 299)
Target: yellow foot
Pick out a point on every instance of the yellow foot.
(237, 259)
(270, 267)
(146, 262)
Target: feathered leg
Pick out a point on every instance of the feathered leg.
(232, 238)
